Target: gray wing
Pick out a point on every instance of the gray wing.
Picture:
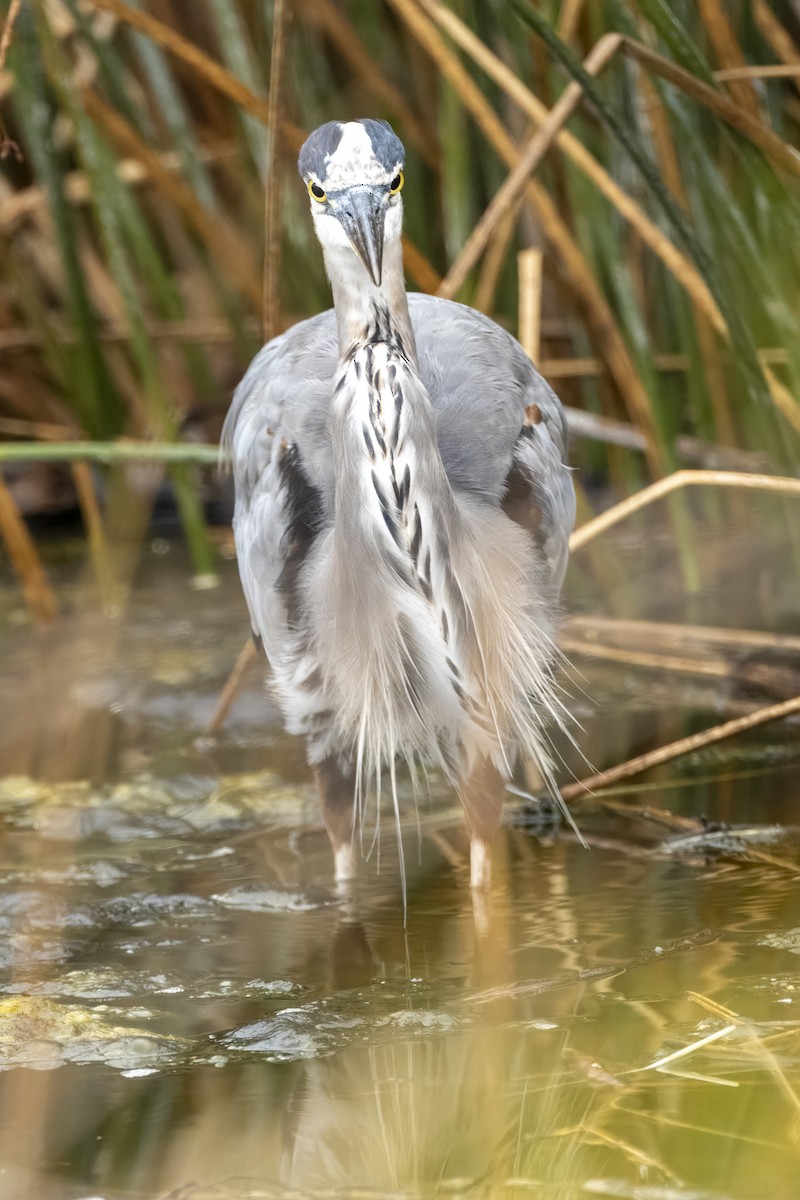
(500, 430)
(276, 433)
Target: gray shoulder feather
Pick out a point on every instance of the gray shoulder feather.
(480, 382)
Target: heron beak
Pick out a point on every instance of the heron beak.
(362, 216)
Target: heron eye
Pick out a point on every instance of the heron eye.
(316, 191)
(396, 184)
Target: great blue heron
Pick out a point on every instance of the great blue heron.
(402, 516)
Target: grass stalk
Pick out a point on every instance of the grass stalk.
(271, 313)
(529, 270)
(25, 559)
(577, 153)
(108, 204)
(672, 483)
(778, 151)
(334, 23)
(687, 745)
(87, 378)
(506, 199)
(93, 525)
(200, 63)
(240, 60)
(568, 18)
(776, 34)
(493, 262)
(218, 238)
(740, 333)
(247, 656)
(582, 281)
(170, 453)
(729, 55)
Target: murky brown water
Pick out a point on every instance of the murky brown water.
(188, 1010)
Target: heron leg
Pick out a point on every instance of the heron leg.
(482, 792)
(336, 788)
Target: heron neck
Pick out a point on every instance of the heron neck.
(365, 311)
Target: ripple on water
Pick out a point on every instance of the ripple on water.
(274, 899)
(115, 983)
(365, 1016)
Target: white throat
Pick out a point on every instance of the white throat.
(356, 299)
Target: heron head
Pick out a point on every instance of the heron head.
(354, 174)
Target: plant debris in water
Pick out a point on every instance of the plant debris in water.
(789, 940)
(42, 1034)
(727, 840)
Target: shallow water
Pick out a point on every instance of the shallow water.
(188, 1009)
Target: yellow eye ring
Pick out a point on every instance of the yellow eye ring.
(316, 192)
(397, 183)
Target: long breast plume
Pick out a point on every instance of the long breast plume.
(430, 644)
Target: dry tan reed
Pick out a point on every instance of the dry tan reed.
(572, 261)
(664, 754)
(25, 558)
(673, 483)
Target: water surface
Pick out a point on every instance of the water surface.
(188, 1009)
